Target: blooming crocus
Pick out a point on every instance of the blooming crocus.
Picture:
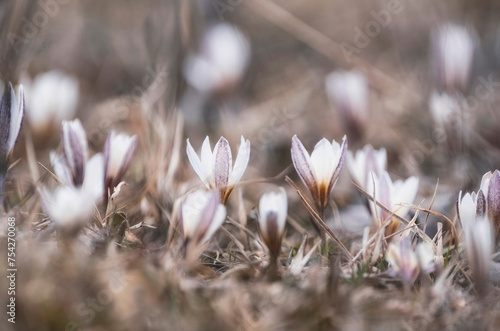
(403, 260)
(202, 215)
(272, 219)
(320, 170)
(11, 120)
(365, 161)
(478, 236)
(221, 61)
(51, 98)
(118, 152)
(453, 51)
(215, 169)
(394, 196)
(69, 208)
(349, 92)
(75, 149)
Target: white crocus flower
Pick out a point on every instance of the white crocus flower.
(320, 170)
(273, 208)
(365, 161)
(11, 119)
(221, 61)
(453, 50)
(75, 149)
(403, 260)
(68, 207)
(349, 92)
(394, 196)
(202, 215)
(51, 98)
(215, 168)
(118, 152)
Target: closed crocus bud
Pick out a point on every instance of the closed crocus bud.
(11, 120)
(118, 152)
(75, 149)
(215, 168)
(478, 237)
(320, 170)
(453, 51)
(51, 98)
(272, 219)
(349, 92)
(221, 61)
(403, 260)
(202, 215)
(364, 162)
(394, 196)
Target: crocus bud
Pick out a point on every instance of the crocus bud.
(202, 214)
(478, 237)
(11, 119)
(364, 162)
(215, 169)
(118, 152)
(51, 98)
(453, 51)
(272, 219)
(349, 92)
(490, 187)
(221, 61)
(321, 170)
(75, 148)
(394, 196)
(403, 260)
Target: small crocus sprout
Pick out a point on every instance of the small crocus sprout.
(118, 152)
(365, 161)
(68, 208)
(394, 196)
(321, 170)
(51, 98)
(215, 169)
(75, 148)
(273, 208)
(201, 216)
(349, 92)
(11, 119)
(403, 260)
(453, 52)
(221, 61)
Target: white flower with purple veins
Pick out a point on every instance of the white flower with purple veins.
(349, 91)
(403, 260)
(394, 196)
(364, 162)
(221, 61)
(215, 168)
(51, 98)
(75, 150)
(11, 119)
(118, 152)
(478, 235)
(202, 215)
(273, 208)
(320, 170)
(453, 51)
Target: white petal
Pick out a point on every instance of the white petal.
(222, 163)
(404, 193)
(241, 163)
(196, 163)
(324, 161)
(94, 177)
(207, 163)
(60, 168)
(466, 209)
(302, 163)
(217, 221)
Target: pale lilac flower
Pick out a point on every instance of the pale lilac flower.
(394, 196)
(320, 170)
(215, 169)
(202, 215)
(364, 162)
(273, 208)
(403, 260)
(118, 152)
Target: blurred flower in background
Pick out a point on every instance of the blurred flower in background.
(364, 162)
